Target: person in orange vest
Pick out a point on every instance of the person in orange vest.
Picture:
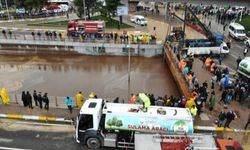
(190, 77)
(208, 62)
(212, 67)
(133, 99)
(183, 64)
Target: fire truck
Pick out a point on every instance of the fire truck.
(87, 28)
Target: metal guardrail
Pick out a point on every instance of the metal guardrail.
(54, 101)
(70, 39)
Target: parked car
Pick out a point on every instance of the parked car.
(20, 11)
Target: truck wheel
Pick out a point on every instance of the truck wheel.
(93, 143)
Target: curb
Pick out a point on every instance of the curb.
(35, 19)
(31, 29)
(219, 129)
(36, 118)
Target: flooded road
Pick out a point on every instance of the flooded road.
(107, 76)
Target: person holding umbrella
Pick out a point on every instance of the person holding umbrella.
(146, 101)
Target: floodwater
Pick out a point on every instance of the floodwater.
(66, 74)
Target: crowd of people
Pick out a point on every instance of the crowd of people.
(38, 99)
(115, 37)
(236, 88)
(111, 37)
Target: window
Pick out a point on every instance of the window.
(240, 31)
(92, 105)
(85, 122)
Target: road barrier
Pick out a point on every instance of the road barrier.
(36, 118)
(219, 129)
(32, 29)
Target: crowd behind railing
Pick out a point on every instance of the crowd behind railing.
(117, 38)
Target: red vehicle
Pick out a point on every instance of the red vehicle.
(90, 28)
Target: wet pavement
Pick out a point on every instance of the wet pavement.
(65, 75)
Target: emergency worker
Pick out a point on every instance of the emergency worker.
(79, 99)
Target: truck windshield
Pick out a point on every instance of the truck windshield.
(240, 31)
(225, 48)
(85, 122)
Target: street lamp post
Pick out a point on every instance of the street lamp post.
(129, 67)
(7, 9)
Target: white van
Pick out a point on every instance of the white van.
(140, 20)
(237, 31)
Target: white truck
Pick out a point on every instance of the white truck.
(205, 50)
(140, 20)
(103, 124)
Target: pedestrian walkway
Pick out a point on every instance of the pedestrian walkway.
(15, 111)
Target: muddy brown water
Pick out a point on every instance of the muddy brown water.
(64, 75)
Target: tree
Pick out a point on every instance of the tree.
(90, 6)
(111, 6)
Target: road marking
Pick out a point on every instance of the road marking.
(42, 124)
(6, 140)
(234, 56)
(219, 129)
(9, 148)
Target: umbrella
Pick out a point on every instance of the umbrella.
(145, 100)
(5, 96)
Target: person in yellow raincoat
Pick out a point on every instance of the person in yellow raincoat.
(4, 96)
(146, 101)
(92, 95)
(79, 99)
(190, 103)
(193, 111)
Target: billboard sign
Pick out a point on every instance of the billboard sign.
(155, 124)
(122, 11)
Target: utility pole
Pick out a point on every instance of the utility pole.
(129, 68)
(7, 9)
(84, 12)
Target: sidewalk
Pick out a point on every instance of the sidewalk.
(208, 117)
(16, 109)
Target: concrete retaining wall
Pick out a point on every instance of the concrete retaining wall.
(85, 48)
(173, 64)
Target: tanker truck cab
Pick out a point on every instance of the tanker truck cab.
(103, 124)
(87, 123)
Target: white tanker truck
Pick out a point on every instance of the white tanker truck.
(103, 124)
